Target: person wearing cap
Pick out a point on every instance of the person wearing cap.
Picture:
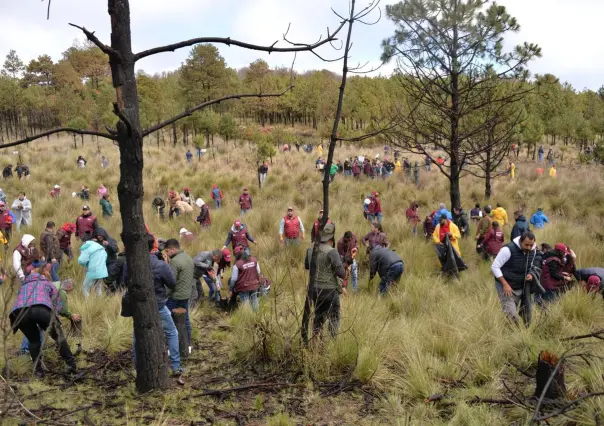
(591, 279)
(173, 200)
(22, 211)
(539, 219)
(239, 236)
(204, 268)
(314, 232)
(291, 228)
(186, 196)
(245, 202)
(86, 224)
(64, 237)
(442, 210)
(374, 209)
(325, 293)
(6, 220)
(203, 219)
(55, 191)
(553, 279)
(36, 304)
(263, 171)
(388, 265)
(377, 237)
(159, 207)
(24, 256)
(50, 249)
(93, 257)
(184, 271)
(446, 228)
(217, 196)
(517, 272)
(245, 279)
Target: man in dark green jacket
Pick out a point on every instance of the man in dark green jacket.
(106, 206)
(325, 294)
(183, 269)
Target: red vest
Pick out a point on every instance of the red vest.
(317, 226)
(547, 281)
(248, 279)
(6, 221)
(245, 201)
(28, 255)
(239, 238)
(85, 225)
(291, 227)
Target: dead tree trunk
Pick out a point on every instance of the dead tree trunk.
(151, 356)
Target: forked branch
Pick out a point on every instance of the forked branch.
(94, 39)
(295, 47)
(58, 130)
(190, 111)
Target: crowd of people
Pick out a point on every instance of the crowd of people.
(524, 272)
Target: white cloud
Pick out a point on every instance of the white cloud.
(567, 31)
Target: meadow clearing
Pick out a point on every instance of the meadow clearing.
(428, 337)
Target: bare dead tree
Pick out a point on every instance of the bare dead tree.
(151, 360)
(334, 138)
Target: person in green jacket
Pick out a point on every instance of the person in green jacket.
(106, 206)
(183, 269)
(332, 172)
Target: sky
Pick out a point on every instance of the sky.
(565, 30)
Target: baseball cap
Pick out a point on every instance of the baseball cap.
(237, 222)
(186, 188)
(374, 193)
(238, 249)
(562, 248)
(57, 187)
(226, 255)
(593, 283)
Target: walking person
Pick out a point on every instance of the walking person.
(94, 258)
(6, 221)
(416, 174)
(217, 196)
(50, 249)
(348, 247)
(517, 271)
(325, 294)
(203, 219)
(189, 156)
(412, 214)
(245, 202)
(64, 237)
(492, 243)
(86, 224)
(22, 211)
(106, 207)
(239, 236)
(262, 172)
(520, 226)
(539, 219)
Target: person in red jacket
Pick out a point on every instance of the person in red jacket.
(492, 242)
(553, 279)
(412, 214)
(348, 247)
(245, 202)
(204, 213)
(64, 236)
(429, 226)
(291, 228)
(374, 211)
(245, 280)
(6, 221)
(314, 232)
(86, 225)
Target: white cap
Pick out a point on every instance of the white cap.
(73, 194)
(57, 187)
(199, 203)
(183, 231)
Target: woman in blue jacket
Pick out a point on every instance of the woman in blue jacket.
(539, 219)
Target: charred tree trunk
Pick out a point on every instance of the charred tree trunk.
(151, 356)
(487, 177)
(550, 381)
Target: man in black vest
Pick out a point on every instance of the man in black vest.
(517, 271)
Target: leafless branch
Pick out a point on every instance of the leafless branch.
(569, 406)
(597, 334)
(295, 47)
(190, 111)
(94, 39)
(48, 11)
(58, 130)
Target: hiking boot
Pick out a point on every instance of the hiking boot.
(72, 369)
(177, 374)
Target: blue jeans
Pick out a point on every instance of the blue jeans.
(541, 157)
(354, 276)
(393, 275)
(171, 338)
(173, 304)
(213, 293)
(53, 272)
(251, 297)
(218, 203)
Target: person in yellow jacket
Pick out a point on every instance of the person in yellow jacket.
(397, 166)
(500, 215)
(552, 171)
(4, 242)
(320, 149)
(446, 227)
(512, 169)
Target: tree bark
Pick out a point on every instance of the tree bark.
(151, 359)
(487, 177)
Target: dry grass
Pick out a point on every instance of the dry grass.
(427, 333)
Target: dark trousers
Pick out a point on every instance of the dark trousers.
(326, 307)
(173, 304)
(30, 321)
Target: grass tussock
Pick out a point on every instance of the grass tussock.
(428, 332)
